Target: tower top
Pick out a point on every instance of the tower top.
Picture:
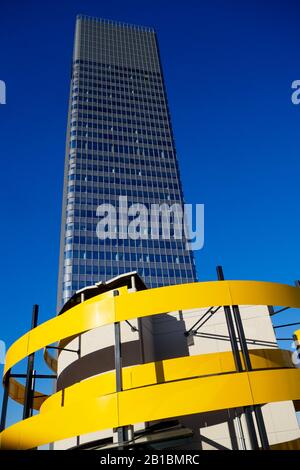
(115, 23)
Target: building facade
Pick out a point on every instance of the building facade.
(119, 143)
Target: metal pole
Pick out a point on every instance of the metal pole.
(5, 401)
(257, 408)
(239, 367)
(32, 388)
(241, 335)
(29, 392)
(230, 327)
(261, 427)
(121, 430)
(118, 357)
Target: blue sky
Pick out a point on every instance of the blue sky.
(228, 67)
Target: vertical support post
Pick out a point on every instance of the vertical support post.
(82, 299)
(241, 335)
(29, 392)
(261, 427)
(271, 310)
(33, 388)
(118, 357)
(121, 430)
(239, 367)
(5, 401)
(230, 327)
(257, 408)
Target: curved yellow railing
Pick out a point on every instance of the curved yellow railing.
(211, 377)
(17, 393)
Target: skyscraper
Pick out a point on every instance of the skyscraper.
(119, 143)
(190, 366)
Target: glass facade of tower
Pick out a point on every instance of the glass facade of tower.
(119, 143)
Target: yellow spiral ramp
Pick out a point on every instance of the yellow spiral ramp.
(190, 384)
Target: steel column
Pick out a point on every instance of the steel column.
(29, 391)
(230, 327)
(257, 408)
(239, 367)
(5, 401)
(122, 430)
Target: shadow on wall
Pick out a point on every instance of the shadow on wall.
(168, 341)
(97, 362)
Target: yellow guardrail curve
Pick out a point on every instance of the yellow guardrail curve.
(17, 393)
(211, 377)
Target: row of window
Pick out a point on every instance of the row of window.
(106, 98)
(112, 67)
(167, 160)
(128, 120)
(103, 85)
(117, 74)
(121, 138)
(88, 202)
(71, 211)
(113, 91)
(119, 256)
(90, 227)
(122, 170)
(91, 73)
(141, 162)
(131, 102)
(133, 184)
(104, 170)
(123, 129)
(118, 109)
(177, 247)
(152, 196)
(89, 79)
(112, 242)
(108, 256)
(118, 148)
(123, 256)
(102, 270)
(112, 32)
